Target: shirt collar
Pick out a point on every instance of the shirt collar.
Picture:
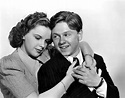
(79, 56)
(28, 61)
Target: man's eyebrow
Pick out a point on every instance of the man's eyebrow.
(67, 31)
(55, 33)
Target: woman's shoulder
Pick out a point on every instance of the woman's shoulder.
(10, 60)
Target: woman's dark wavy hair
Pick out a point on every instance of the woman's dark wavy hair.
(73, 20)
(24, 26)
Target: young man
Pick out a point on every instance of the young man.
(91, 81)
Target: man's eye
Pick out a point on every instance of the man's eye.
(55, 36)
(66, 34)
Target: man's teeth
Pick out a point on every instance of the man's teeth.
(63, 47)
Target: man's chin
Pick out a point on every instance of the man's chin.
(65, 54)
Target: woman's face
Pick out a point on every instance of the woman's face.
(35, 41)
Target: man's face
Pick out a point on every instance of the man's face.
(65, 39)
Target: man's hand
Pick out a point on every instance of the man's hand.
(87, 75)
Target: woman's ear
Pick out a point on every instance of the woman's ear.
(23, 37)
(80, 35)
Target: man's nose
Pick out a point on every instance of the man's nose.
(62, 40)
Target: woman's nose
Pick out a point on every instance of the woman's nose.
(42, 43)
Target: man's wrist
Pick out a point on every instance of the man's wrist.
(100, 83)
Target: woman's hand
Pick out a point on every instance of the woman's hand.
(70, 69)
(68, 79)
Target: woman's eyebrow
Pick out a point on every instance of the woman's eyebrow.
(37, 35)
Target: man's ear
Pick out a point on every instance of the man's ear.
(80, 34)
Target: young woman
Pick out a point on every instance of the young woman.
(18, 71)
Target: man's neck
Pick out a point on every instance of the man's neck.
(76, 53)
(79, 56)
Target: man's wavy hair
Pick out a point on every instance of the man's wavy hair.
(25, 25)
(72, 19)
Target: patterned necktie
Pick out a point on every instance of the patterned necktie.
(76, 59)
(77, 64)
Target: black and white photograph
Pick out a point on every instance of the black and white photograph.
(62, 48)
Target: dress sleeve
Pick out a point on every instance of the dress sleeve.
(13, 78)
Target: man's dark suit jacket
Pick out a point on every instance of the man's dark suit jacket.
(54, 70)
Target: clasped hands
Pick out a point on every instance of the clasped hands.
(85, 73)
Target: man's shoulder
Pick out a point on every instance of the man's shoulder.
(54, 62)
(98, 56)
(99, 61)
